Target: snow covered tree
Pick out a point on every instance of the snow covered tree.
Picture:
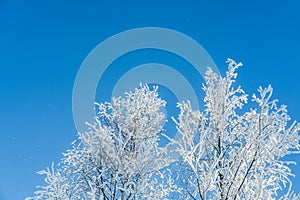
(225, 152)
(230, 152)
(118, 157)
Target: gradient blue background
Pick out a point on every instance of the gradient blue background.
(43, 43)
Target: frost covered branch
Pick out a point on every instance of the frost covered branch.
(226, 151)
(119, 157)
(232, 153)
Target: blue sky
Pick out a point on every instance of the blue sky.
(43, 43)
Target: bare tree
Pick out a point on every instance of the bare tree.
(118, 158)
(228, 152)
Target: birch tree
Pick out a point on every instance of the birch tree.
(230, 152)
(118, 157)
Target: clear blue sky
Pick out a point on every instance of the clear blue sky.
(43, 43)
